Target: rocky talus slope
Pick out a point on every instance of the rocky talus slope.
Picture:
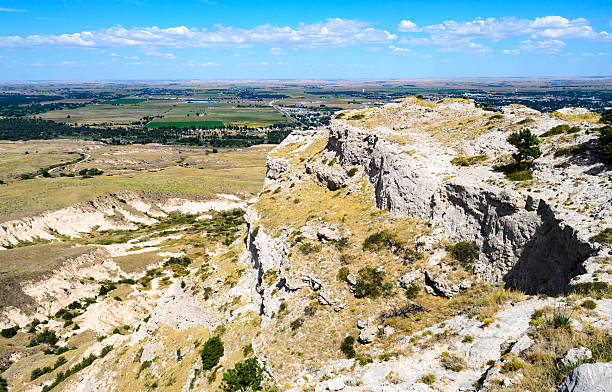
(391, 252)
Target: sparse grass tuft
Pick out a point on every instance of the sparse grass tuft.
(468, 161)
(589, 304)
(604, 237)
(428, 379)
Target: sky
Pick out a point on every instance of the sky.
(222, 39)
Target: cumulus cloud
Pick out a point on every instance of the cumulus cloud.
(407, 26)
(335, 32)
(546, 33)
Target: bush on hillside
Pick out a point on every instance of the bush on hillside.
(212, 352)
(246, 375)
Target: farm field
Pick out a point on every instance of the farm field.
(170, 113)
(123, 114)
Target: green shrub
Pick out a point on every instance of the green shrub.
(9, 332)
(452, 362)
(570, 150)
(348, 346)
(511, 366)
(369, 283)
(605, 139)
(46, 336)
(212, 352)
(428, 379)
(526, 144)
(589, 304)
(246, 375)
(465, 252)
(3, 385)
(519, 175)
(60, 361)
(35, 374)
(468, 339)
(352, 171)
(556, 130)
(412, 291)
(343, 274)
(380, 240)
(106, 288)
(308, 248)
(592, 289)
(560, 318)
(297, 323)
(75, 305)
(604, 237)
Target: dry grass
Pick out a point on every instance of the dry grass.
(542, 370)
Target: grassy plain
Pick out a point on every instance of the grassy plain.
(18, 158)
(152, 169)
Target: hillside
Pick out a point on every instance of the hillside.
(396, 251)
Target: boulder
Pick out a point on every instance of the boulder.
(407, 279)
(576, 355)
(590, 377)
(437, 285)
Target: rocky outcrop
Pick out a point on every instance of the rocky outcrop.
(590, 377)
(121, 211)
(522, 239)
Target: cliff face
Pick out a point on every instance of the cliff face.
(525, 241)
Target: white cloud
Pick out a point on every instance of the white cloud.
(550, 46)
(12, 10)
(335, 32)
(68, 62)
(407, 26)
(210, 64)
(276, 51)
(397, 50)
(160, 55)
(547, 32)
(511, 51)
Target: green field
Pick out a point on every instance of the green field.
(124, 101)
(186, 124)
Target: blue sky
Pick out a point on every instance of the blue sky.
(219, 39)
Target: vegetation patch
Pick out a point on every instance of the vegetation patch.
(244, 376)
(604, 237)
(559, 129)
(465, 252)
(370, 283)
(212, 352)
(468, 160)
(348, 346)
(453, 362)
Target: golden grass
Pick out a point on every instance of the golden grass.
(228, 172)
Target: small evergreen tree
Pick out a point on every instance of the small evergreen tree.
(246, 375)
(212, 352)
(527, 146)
